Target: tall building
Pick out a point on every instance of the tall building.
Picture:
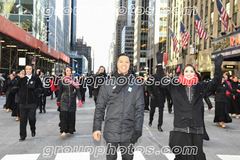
(174, 59)
(74, 24)
(128, 43)
(121, 21)
(131, 13)
(81, 50)
(140, 36)
(157, 31)
(28, 15)
(111, 54)
(208, 12)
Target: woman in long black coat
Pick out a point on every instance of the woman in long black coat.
(221, 111)
(187, 95)
(68, 90)
(235, 103)
(10, 96)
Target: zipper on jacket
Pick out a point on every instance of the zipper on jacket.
(122, 115)
(69, 97)
(189, 96)
(27, 92)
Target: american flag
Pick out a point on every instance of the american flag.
(200, 29)
(223, 14)
(185, 36)
(175, 42)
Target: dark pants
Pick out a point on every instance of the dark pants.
(67, 122)
(160, 115)
(42, 102)
(170, 103)
(146, 100)
(16, 110)
(56, 93)
(126, 149)
(10, 101)
(27, 111)
(83, 95)
(90, 91)
(183, 140)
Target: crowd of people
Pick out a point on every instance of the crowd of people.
(122, 105)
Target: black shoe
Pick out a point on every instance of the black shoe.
(150, 124)
(160, 129)
(21, 139)
(33, 133)
(44, 111)
(40, 112)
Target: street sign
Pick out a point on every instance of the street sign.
(33, 61)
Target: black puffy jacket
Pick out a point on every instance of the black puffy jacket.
(124, 111)
(67, 96)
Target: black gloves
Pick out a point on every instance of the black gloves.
(159, 57)
(135, 136)
(218, 61)
(152, 97)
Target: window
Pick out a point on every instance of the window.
(211, 19)
(219, 24)
(235, 6)
(200, 45)
(205, 44)
(206, 19)
(212, 6)
(228, 8)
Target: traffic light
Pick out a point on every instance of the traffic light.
(196, 55)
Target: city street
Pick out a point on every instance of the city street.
(47, 144)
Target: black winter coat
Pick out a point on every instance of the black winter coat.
(235, 86)
(186, 113)
(124, 111)
(29, 91)
(98, 85)
(221, 92)
(67, 96)
(157, 92)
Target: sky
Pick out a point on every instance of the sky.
(96, 23)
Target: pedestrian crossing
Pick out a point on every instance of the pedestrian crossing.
(229, 157)
(86, 156)
(21, 156)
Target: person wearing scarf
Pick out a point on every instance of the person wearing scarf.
(68, 90)
(187, 93)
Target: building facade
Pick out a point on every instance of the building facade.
(208, 12)
(121, 21)
(29, 15)
(140, 35)
(128, 43)
(157, 32)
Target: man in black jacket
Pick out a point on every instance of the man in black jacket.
(157, 100)
(124, 105)
(30, 86)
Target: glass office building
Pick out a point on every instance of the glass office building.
(29, 16)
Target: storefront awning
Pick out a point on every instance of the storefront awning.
(14, 31)
(228, 46)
